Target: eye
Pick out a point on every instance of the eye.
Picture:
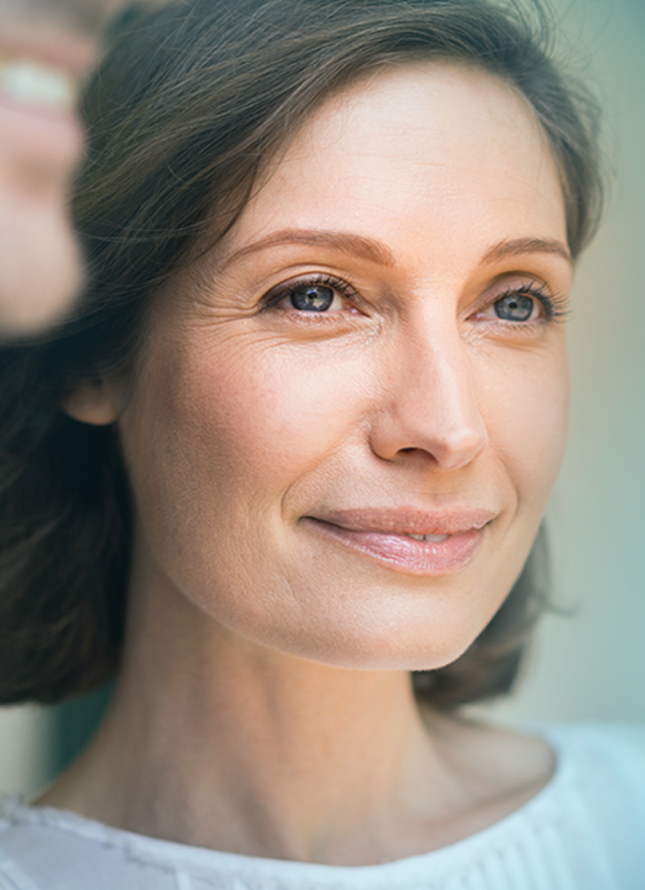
(312, 297)
(318, 295)
(522, 304)
(515, 307)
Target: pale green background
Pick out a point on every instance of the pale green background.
(590, 665)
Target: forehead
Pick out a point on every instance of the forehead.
(448, 144)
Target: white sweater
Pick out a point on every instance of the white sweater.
(584, 831)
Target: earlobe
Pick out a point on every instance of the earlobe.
(93, 403)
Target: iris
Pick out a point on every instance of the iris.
(517, 307)
(312, 297)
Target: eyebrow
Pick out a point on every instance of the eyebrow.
(356, 245)
(375, 252)
(525, 245)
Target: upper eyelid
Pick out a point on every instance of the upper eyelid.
(518, 280)
(538, 292)
(535, 287)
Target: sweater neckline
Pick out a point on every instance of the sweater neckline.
(175, 855)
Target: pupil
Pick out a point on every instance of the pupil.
(516, 308)
(312, 297)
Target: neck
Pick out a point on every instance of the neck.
(247, 758)
(216, 741)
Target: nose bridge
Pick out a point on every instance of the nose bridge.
(431, 396)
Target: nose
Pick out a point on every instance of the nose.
(428, 403)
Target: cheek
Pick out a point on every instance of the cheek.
(217, 442)
(526, 407)
(217, 436)
(259, 417)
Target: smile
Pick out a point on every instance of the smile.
(38, 86)
(399, 540)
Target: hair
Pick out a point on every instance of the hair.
(188, 103)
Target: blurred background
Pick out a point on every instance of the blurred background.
(587, 664)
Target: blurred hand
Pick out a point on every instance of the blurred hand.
(46, 46)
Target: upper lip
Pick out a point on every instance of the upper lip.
(62, 51)
(409, 520)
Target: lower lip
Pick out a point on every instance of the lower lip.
(403, 554)
(56, 136)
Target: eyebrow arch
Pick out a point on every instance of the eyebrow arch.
(525, 245)
(357, 245)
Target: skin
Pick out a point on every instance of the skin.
(263, 656)
(41, 271)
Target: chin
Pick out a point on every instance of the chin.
(397, 647)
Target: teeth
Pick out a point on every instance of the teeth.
(433, 539)
(37, 86)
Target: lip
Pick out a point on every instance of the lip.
(40, 136)
(381, 534)
(38, 91)
(53, 55)
(49, 45)
(37, 87)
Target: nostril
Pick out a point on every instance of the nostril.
(422, 454)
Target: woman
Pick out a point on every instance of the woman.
(308, 419)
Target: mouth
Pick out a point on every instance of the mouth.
(406, 540)
(43, 61)
(43, 135)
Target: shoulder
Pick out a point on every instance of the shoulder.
(603, 755)
(600, 784)
(587, 823)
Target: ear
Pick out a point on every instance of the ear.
(93, 403)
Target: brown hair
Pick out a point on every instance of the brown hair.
(189, 101)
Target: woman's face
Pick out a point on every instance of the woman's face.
(349, 416)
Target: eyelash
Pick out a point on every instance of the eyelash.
(553, 304)
(274, 296)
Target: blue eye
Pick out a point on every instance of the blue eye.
(319, 294)
(311, 297)
(515, 307)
